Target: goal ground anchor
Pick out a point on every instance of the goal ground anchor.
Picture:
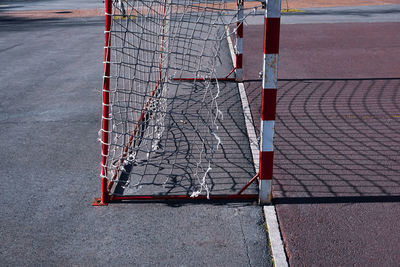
(97, 202)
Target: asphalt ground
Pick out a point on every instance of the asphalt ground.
(45, 223)
(337, 177)
(51, 76)
(18, 5)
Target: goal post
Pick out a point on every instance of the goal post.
(269, 97)
(171, 127)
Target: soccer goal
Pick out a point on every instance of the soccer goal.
(172, 124)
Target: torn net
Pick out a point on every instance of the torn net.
(167, 134)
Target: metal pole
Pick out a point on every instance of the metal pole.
(268, 105)
(106, 102)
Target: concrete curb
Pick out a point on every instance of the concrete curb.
(274, 235)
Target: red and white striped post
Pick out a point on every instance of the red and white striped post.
(239, 41)
(268, 105)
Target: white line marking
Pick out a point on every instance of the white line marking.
(274, 235)
(254, 144)
(278, 252)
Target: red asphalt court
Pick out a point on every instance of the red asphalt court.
(337, 161)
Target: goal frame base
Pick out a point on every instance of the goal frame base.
(183, 198)
(154, 198)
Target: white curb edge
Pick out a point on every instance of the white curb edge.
(274, 235)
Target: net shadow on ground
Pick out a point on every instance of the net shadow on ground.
(171, 170)
(178, 137)
(336, 141)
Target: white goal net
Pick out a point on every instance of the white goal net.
(173, 126)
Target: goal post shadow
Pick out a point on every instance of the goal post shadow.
(113, 185)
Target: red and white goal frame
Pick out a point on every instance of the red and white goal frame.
(269, 89)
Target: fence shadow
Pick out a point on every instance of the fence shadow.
(337, 140)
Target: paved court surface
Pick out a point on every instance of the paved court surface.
(337, 174)
(51, 75)
(18, 5)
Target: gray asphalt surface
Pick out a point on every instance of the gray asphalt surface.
(51, 75)
(19, 5)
